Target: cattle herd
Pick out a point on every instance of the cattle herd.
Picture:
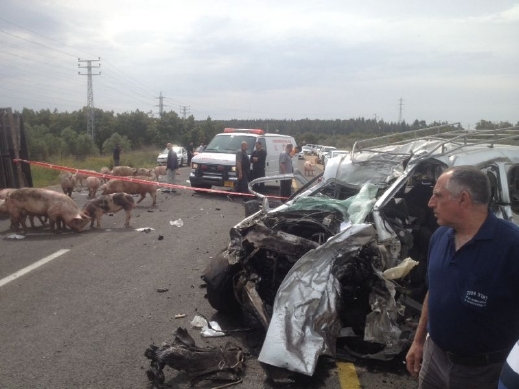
(59, 210)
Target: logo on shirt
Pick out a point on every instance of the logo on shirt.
(476, 298)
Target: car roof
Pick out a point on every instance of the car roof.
(450, 148)
(440, 141)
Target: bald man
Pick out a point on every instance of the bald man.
(470, 315)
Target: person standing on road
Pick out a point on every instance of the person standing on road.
(242, 169)
(285, 167)
(258, 158)
(117, 154)
(171, 167)
(470, 315)
(190, 150)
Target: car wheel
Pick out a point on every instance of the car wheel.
(181, 162)
(220, 287)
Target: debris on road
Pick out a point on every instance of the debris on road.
(16, 236)
(145, 229)
(162, 290)
(178, 223)
(211, 363)
(212, 330)
(180, 316)
(198, 322)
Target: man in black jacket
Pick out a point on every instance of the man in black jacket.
(171, 167)
(242, 171)
(258, 158)
(117, 154)
(190, 151)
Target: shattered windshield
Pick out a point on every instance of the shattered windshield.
(225, 143)
(378, 172)
(351, 187)
(353, 209)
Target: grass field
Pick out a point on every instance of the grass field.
(42, 177)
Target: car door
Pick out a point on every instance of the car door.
(500, 202)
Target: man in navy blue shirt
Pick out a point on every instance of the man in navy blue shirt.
(470, 316)
(258, 159)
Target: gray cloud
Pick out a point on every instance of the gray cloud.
(448, 61)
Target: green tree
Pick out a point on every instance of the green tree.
(109, 144)
(70, 141)
(86, 146)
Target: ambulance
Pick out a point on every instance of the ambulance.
(216, 166)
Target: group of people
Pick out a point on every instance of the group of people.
(470, 317)
(258, 159)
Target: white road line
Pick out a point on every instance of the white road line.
(35, 265)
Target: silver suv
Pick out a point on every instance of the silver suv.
(340, 267)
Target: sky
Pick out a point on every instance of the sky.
(442, 60)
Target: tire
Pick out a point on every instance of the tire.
(220, 287)
(181, 162)
(223, 301)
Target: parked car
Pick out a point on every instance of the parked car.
(332, 154)
(316, 149)
(323, 151)
(306, 150)
(346, 255)
(181, 155)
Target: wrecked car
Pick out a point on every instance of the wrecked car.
(345, 257)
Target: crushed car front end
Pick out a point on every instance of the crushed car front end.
(343, 261)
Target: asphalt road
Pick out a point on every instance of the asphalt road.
(85, 318)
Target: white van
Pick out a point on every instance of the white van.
(216, 166)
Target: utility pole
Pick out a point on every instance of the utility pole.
(90, 93)
(161, 104)
(185, 110)
(400, 111)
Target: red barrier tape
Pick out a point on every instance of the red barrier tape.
(92, 173)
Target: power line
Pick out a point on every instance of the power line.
(36, 43)
(113, 78)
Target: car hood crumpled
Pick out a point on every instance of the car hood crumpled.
(305, 320)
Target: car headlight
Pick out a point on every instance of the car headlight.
(233, 169)
(194, 165)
